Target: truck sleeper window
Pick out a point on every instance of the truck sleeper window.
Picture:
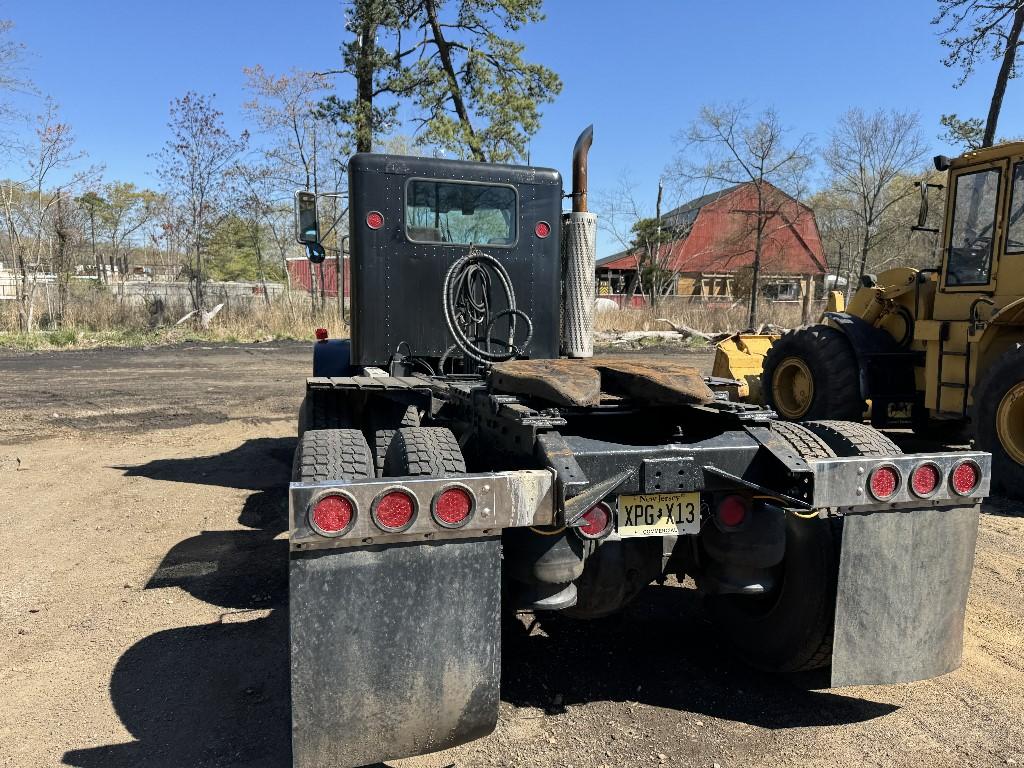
(974, 223)
(1015, 229)
(454, 212)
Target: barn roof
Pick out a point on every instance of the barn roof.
(712, 243)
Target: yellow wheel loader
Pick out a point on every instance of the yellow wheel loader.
(940, 349)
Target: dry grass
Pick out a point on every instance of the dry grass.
(706, 317)
(96, 318)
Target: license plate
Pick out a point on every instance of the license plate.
(659, 514)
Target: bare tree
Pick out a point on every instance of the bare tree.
(192, 166)
(26, 206)
(68, 230)
(282, 107)
(91, 203)
(973, 29)
(866, 157)
(642, 235)
(299, 151)
(252, 203)
(12, 78)
(736, 147)
(124, 210)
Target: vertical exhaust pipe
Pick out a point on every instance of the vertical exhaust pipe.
(579, 253)
(580, 153)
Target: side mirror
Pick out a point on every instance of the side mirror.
(315, 253)
(922, 213)
(307, 227)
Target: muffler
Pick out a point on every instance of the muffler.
(579, 252)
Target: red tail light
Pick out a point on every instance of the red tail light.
(332, 515)
(884, 482)
(732, 511)
(375, 219)
(394, 511)
(965, 477)
(542, 230)
(925, 480)
(597, 522)
(453, 507)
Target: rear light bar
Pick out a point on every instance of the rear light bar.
(865, 481)
(391, 510)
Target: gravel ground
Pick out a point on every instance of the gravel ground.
(143, 605)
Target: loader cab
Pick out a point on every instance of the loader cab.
(983, 236)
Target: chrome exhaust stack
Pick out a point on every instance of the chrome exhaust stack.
(579, 253)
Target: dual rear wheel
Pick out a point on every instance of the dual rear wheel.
(790, 628)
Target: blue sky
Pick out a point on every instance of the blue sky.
(638, 70)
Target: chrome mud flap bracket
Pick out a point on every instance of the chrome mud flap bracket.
(395, 650)
(902, 594)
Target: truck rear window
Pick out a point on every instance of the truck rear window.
(460, 213)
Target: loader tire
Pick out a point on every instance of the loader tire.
(332, 454)
(812, 373)
(424, 451)
(383, 420)
(998, 418)
(790, 628)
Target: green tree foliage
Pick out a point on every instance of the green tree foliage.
(374, 68)
(973, 30)
(966, 133)
(233, 256)
(472, 92)
(652, 242)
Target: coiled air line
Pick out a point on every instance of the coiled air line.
(467, 305)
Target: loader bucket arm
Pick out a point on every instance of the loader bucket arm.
(741, 357)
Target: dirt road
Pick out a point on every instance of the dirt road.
(143, 613)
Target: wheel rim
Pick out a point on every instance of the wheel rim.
(1010, 422)
(792, 388)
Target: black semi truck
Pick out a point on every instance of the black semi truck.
(464, 455)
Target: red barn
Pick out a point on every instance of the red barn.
(300, 277)
(715, 248)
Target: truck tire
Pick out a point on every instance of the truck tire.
(998, 417)
(332, 454)
(424, 451)
(849, 438)
(383, 419)
(790, 628)
(812, 373)
(324, 409)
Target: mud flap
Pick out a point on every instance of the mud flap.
(395, 651)
(902, 594)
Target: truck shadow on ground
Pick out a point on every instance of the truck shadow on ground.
(218, 693)
(661, 652)
(214, 694)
